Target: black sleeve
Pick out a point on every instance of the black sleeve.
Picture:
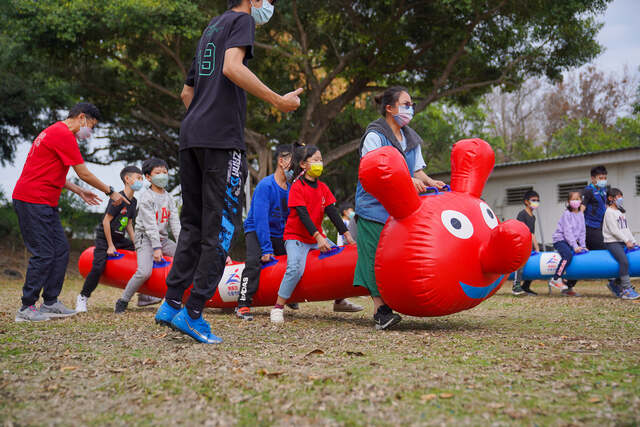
(303, 213)
(587, 196)
(334, 216)
(112, 210)
(191, 75)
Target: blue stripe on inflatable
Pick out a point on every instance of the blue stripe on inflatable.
(479, 292)
(591, 265)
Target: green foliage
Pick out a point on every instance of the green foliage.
(130, 58)
(9, 228)
(580, 136)
(76, 219)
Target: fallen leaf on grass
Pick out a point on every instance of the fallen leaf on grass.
(312, 352)
(68, 368)
(355, 353)
(269, 374)
(594, 399)
(427, 397)
(446, 395)
(515, 414)
(117, 370)
(495, 405)
(158, 336)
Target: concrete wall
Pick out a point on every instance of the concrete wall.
(544, 176)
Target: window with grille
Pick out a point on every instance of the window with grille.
(637, 185)
(516, 195)
(565, 189)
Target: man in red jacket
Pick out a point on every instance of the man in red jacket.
(35, 200)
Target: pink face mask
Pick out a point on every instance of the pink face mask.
(575, 204)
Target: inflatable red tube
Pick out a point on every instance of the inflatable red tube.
(327, 277)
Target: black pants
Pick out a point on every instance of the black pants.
(44, 237)
(212, 184)
(100, 261)
(594, 239)
(253, 266)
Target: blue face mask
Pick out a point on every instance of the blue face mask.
(602, 183)
(137, 185)
(263, 14)
(288, 174)
(620, 203)
(404, 116)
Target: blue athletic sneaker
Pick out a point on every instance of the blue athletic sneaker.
(629, 293)
(615, 288)
(197, 329)
(165, 314)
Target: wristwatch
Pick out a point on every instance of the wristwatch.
(110, 192)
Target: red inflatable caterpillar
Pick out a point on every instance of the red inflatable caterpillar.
(442, 253)
(438, 254)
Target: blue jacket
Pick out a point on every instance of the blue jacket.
(595, 201)
(268, 213)
(367, 206)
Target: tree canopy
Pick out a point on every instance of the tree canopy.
(130, 58)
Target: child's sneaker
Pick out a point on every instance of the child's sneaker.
(630, 294)
(294, 306)
(277, 315)
(615, 288)
(517, 290)
(81, 303)
(121, 306)
(346, 306)
(385, 317)
(198, 329)
(527, 289)
(145, 300)
(244, 313)
(570, 293)
(165, 314)
(558, 284)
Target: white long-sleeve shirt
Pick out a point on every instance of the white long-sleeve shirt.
(157, 212)
(615, 227)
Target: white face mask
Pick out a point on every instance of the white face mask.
(263, 14)
(85, 131)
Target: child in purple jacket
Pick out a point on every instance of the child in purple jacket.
(569, 238)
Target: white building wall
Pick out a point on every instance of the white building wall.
(544, 177)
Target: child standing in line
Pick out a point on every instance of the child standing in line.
(617, 236)
(158, 213)
(110, 233)
(309, 200)
(347, 215)
(531, 200)
(569, 238)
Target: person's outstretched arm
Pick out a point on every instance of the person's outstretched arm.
(242, 76)
(86, 175)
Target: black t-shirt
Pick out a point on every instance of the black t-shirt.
(529, 220)
(123, 215)
(217, 114)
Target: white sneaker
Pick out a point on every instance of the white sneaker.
(277, 315)
(346, 306)
(81, 304)
(558, 284)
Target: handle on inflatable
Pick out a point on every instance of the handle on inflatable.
(635, 248)
(116, 255)
(534, 253)
(434, 191)
(160, 264)
(333, 251)
(580, 253)
(271, 262)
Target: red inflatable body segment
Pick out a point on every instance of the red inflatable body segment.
(451, 252)
(327, 277)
